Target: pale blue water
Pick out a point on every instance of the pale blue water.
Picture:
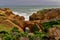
(27, 10)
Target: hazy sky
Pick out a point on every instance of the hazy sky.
(29, 2)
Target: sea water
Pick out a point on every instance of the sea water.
(26, 11)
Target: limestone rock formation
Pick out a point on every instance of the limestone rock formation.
(8, 19)
(7, 14)
(36, 16)
(28, 24)
(45, 14)
(55, 32)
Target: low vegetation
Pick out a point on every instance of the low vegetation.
(50, 24)
(15, 34)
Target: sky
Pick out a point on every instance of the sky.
(29, 2)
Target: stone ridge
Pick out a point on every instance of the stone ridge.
(46, 14)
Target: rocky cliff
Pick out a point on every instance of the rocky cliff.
(45, 14)
(16, 20)
(41, 21)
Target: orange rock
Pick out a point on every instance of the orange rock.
(54, 32)
(51, 15)
(36, 16)
(28, 24)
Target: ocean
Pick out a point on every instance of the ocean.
(26, 11)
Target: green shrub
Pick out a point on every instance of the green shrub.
(15, 34)
(46, 26)
(58, 21)
(50, 24)
(7, 37)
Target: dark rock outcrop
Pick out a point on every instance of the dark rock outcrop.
(45, 14)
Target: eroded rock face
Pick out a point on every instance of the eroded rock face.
(28, 24)
(54, 32)
(51, 14)
(45, 14)
(36, 16)
(7, 14)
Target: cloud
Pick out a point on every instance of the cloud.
(29, 2)
(55, 0)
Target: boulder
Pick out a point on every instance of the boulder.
(36, 16)
(54, 32)
(52, 14)
(45, 14)
(28, 24)
(7, 14)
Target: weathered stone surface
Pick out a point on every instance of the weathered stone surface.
(54, 32)
(7, 14)
(51, 14)
(9, 19)
(28, 24)
(45, 14)
(36, 16)
(24, 38)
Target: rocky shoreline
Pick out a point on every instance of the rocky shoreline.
(36, 19)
